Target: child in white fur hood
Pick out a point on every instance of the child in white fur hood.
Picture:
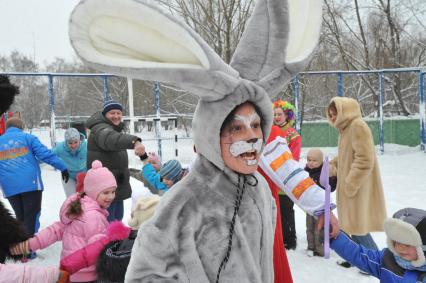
(404, 258)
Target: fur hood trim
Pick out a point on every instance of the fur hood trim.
(407, 227)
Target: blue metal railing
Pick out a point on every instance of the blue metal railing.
(381, 93)
(340, 92)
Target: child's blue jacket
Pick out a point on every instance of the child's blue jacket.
(375, 262)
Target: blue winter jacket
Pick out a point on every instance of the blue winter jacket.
(153, 177)
(374, 262)
(20, 154)
(75, 161)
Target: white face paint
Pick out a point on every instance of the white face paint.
(241, 147)
(247, 120)
(241, 140)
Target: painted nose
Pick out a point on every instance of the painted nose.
(252, 140)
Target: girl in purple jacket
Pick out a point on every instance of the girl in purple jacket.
(83, 220)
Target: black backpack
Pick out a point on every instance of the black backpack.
(112, 262)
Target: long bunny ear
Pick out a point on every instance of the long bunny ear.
(278, 41)
(132, 38)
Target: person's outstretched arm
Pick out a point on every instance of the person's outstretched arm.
(44, 154)
(363, 258)
(41, 240)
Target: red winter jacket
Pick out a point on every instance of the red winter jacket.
(282, 273)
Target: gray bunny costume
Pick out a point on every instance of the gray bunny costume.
(186, 240)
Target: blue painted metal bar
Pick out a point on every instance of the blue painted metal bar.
(52, 110)
(296, 101)
(395, 70)
(381, 97)
(106, 89)
(57, 74)
(422, 111)
(158, 122)
(340, 84)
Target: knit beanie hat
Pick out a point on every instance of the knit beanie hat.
(110, 105)
(408, 226)
(143, 210)
(72, 134)
(171, 170)
(98, 179)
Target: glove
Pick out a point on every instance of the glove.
(65, 175)
(144, 156)
(64, 277)
(21, 248)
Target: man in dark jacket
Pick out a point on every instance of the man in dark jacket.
(107, 143)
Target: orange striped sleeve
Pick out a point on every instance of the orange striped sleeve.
(302, 187)
(280, 160)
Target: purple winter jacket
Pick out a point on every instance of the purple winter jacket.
(75, 233)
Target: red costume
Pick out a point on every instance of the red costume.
(282, 273)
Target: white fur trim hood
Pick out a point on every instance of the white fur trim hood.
(403, 228)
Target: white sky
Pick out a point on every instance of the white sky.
(36, 28)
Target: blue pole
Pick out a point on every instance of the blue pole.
(381, 98)
(52, 110)
(296, 101)
(422, 110)
(340, 84)
(158, 122)
(106, 89)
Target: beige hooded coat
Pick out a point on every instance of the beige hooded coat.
(360, 199)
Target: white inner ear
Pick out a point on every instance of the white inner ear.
(130, 33)
(305, 25)
(124, 39)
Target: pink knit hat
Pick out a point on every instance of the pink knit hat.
(98, 179)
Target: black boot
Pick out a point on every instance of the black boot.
(344, 264)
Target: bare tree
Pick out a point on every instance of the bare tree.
(220, 23)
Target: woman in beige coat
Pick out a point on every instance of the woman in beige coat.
(360, 198)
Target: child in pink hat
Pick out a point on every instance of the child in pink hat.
(83, 220)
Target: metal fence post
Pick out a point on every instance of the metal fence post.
(422, 110)
(339, 84)
(52, 110)
(106, 89)
(158, 121)
(381, 97)
(296, 101)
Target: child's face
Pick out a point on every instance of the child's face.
(155, 165)
(406, 252)
(314, 159)
(106, 197)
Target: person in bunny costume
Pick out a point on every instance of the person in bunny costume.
(216, 224)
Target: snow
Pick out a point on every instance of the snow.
(403, 176)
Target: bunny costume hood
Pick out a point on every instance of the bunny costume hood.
(187, 237)
(103, 34)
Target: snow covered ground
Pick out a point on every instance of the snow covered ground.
(404, 179)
